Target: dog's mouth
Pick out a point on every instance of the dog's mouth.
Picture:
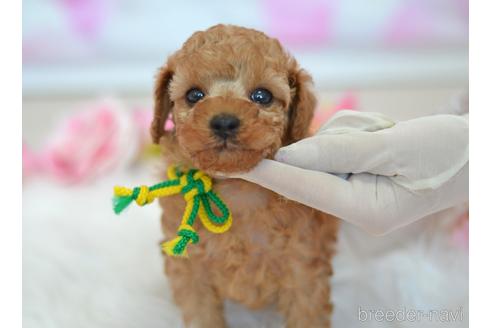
(227, 145)
(223, 148)
(226, 156)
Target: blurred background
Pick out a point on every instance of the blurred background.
(75, 50)
(88, 73)
(82, 47)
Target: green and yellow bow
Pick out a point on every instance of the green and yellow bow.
(196, 188)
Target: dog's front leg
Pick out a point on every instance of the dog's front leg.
(199, 302)
(304, 300)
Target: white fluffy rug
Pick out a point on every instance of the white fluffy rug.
(85, 267)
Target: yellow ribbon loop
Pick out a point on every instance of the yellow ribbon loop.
(143, 195)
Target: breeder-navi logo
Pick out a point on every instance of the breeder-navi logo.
(410, 315)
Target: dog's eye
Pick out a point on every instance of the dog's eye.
(194, 95)
(261, 96)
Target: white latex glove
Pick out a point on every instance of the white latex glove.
(400, 172)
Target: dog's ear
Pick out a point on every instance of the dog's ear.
(302, 106)
(162, 103)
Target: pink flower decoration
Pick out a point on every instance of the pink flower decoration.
(85, 145)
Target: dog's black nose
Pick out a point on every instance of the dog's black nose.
(224, 125)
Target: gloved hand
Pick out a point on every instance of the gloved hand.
(399, 172)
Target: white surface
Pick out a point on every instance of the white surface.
(85, 267)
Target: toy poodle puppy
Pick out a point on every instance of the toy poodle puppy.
(236, 97)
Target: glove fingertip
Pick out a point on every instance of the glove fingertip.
(280, 155)
(298, 155)
(287, 154)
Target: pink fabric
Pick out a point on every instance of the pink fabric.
(323, 114)
(85, 145)
(299, 22)
(87, 17)
(86, 141)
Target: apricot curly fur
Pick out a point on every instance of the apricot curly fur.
(277, 251)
